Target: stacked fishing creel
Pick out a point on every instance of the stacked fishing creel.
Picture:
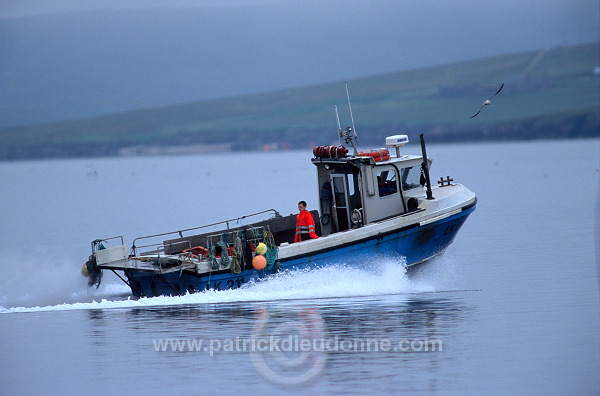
(330, 152)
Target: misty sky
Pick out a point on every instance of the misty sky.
(102, 56)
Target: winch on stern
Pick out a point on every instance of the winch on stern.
(104, 258)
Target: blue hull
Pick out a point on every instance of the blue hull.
(416, 244)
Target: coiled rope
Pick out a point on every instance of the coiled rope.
(215, 263)
(225, 260)
(211, 250)
(256, 235)
(237, 258)
(272, 253)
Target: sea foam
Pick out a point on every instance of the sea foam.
(387, 276)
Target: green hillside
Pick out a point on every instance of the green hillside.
(547, 94)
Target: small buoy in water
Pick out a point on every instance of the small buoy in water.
(84, 270)
(261, 248)
(259, 262)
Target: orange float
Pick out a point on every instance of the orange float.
(259, 262)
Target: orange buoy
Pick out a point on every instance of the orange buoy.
(259, 262)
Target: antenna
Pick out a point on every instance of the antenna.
(337, 117)
(349, 138)
(350, 107)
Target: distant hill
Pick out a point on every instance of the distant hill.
(62, 61)
(552, 93)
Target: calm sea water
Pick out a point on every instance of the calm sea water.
(512, 307)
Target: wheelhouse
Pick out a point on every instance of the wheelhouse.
(366, 188)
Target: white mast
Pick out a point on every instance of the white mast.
(337, 117)
(352, 119)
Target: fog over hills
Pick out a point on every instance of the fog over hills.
(60, 61)
(547, 94)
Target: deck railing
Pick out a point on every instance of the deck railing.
(134, 246)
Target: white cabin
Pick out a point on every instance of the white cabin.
(360, 189)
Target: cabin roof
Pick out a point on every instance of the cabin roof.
(358, 160)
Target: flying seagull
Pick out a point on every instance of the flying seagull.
(487, 102)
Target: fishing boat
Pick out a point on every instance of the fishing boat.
(373, 204)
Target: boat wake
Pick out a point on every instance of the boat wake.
(388, 276)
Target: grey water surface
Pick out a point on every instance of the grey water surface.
(511, 308)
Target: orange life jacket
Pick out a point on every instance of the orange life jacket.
(305, 227)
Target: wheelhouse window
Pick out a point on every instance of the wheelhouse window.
(411, 177)
(386, 180)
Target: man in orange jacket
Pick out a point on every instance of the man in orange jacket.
(305, 224)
